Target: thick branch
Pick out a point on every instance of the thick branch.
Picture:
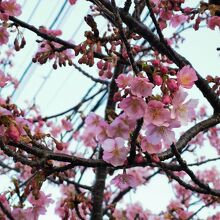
(101, 172)
(48, 155)
(134, 137)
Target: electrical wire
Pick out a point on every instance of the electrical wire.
(30, 64)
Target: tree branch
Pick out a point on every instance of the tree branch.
(191, 133)
(101, 172)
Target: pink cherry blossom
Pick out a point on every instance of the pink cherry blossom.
(210, 175)
(103, 131)
(123, 181)
(121, 127)
(155, 113)
(21, 123)
(183, 111)
(139, 173)
(55, 130)
(42, 200)
(123, 80)
(95, 130)
(150, 148)
(156, 134)
(186, 77)
(115, 152)
(89, 138)
(213, 22)
(3, 36)
(56, 32)
(132, 211)
(67, 125)
(198, 140)
(93, 122)
(39, 205)
(127, 121)
(20, 213)
(179, 209)
(133, 107)
(177, 20)
(10, 7)
(118, 129)
(141, 87)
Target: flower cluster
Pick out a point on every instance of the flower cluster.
(51, 50)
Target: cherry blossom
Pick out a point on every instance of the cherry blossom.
(10, 7)
(118, 129)
(155, 113)
(123, 80)
(186, 77)
(89, 138)
(20, 213)
(156, 134)
(183, 111)
(115, 151)
(121, 127)
(134, 210)
(102, 134)
(133, 107)
(213, 136)
(176, 20)
(123, 181)
(150, 148)
(179, 210)
(67, 125)
(93, 122)
(41, 200)
(39, 204)
(141, 87)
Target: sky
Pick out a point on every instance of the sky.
(58, 90)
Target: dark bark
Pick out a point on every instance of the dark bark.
(101, 172)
